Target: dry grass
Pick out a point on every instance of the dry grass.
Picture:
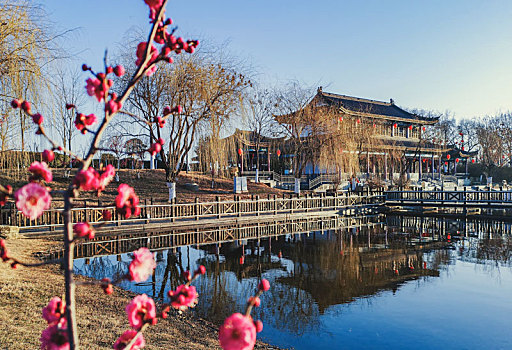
(101, 318)
(151, 185)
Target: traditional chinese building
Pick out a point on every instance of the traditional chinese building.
(401, 142)
(402, 138)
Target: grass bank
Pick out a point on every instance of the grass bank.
(101, 318)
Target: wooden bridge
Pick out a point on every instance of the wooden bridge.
(221, 212)
(451, 199)
(167, 237)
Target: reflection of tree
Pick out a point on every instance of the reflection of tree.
(333, 276)
(491, 251)
(289, 308)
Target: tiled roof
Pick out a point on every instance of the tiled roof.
(366, 106)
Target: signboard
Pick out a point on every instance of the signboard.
(240, 184)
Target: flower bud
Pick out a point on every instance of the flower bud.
(264, 285)
(37, 118)
(259, 326)
(48, 155)
(119, 71)
(186, 275)
(201, 270)
(254, 301)
(15, 103)
(25, 105)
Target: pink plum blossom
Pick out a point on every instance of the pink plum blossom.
(184, 296)
(41, 170)
(141, 50)
(54, 311)
(154, 7)
(97, 88)
(254, 301)
(82, 121)
(15, 103)
(106, 177)
(37, 118)
(141, 310)
(127, 201)
(32, 199)
(119, 70)
(264, 285)
(4, 195)
(55, 337)
(142, 265)
(25, 105)
(259, 326)
(48, 155)
(87, 180)
(126, 337)
(155, 148)
(237, 333)
(83, 229)
(4, 253)
(113, 106)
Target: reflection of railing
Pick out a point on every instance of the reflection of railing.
(272, 205)
(112, 243)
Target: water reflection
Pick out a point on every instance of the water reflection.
(311, 275)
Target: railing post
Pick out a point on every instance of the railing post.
(257, 205)
(239, 207)
(465, 201)
(146, 210)
(196, 208)
(173, 207)
(217, 199)
(275, 205)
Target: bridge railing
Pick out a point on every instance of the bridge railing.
(450, 196)
(271, 205)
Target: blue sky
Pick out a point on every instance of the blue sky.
(441, 55)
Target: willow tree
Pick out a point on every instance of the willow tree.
(340, 153)
(26, 46)
(306, 125)
(194, 93)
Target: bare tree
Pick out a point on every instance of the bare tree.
(491, 144)
(207, 91)
(67, 90)
(258, 112)
(305, 124)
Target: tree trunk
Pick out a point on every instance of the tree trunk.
(69, 245)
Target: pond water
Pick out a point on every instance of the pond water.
(372, 288)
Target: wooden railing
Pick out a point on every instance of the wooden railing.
(454, 198)
(117, 243)
(271, 205)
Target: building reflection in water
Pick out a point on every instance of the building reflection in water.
(309, 273)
